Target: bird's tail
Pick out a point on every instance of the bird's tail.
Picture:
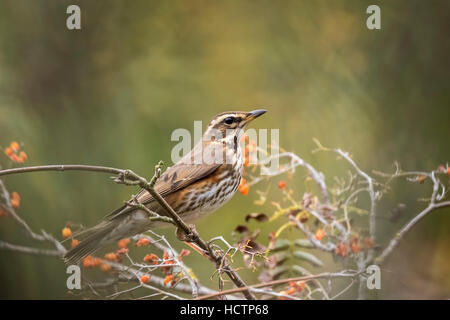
(95, 238)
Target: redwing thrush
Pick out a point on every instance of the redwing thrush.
(198, 184)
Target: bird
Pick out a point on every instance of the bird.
(198, 184)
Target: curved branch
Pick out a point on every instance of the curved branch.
(396, 240)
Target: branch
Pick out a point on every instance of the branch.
(295, 161)
(396, 240)
(63, 167)
(30, 250)
(10, 209)
(326, 275)
(128, 177)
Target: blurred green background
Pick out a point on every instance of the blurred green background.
(112, 93)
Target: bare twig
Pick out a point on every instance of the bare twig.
(30, 250)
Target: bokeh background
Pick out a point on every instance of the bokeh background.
(111, 94)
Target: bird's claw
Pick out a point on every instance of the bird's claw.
(183, 236)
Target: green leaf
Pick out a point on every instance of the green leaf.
(304, 243)
(300, 270)
(278, 271)
(281, 245)
(308, 257)
(277, 259)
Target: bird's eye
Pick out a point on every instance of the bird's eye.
(229, 120)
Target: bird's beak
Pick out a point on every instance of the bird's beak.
(254, 114)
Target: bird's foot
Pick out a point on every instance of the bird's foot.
(187, 237)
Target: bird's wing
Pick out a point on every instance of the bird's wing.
(175, 178)
(184, 173)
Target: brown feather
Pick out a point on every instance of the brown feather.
(177, 177)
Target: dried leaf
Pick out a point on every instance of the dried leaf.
(280, 245)
(251, 247)
(294, 212)
(307, 200)
(261, 217)
(278, 272)
(241, 229)
(421, 178)
(272, 240)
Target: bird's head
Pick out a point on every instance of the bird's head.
(231, 124)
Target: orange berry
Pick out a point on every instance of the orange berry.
(123, 243)
(355, 247)
(245, 152)
(421, 178)
(344, 250)
(3, 213)
(168, 279)
(368, 242)
(66, 232)
(341, 249)
(282, 184)
(122, 251)
(87, 262)
(448, 171)
(291, 290)
(75, 242)
(285, 292)
(15, 158)
(252, 146)
(111, 256)
(15, 200)
(105, 267)
(15, 146)
(96, 262)
(166, 255)
(9, 151)
(23, 156)
(142, 242)
(168, 268)
(244, 138)
(145, 278)
(246, 161)
(319, 234)
(15, 195)
(244, 189)
(297, 285)
(151, 258)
